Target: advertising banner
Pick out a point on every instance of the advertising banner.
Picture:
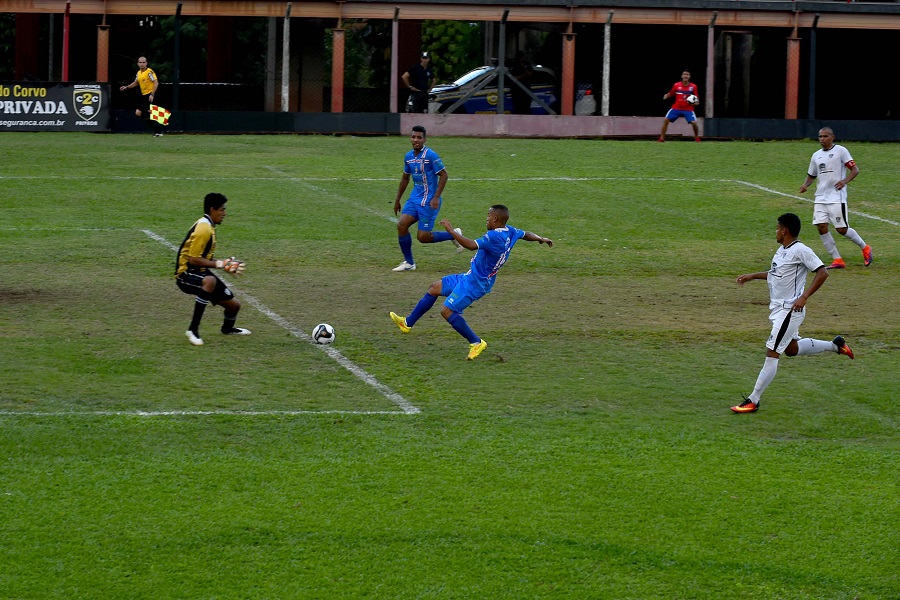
(28, 106)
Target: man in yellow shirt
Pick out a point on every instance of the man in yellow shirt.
(193, 275)
(147, 80)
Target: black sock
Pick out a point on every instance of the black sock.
(228, 325)
(199, 307)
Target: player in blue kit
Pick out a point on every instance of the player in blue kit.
(462, 289)
(426, 169)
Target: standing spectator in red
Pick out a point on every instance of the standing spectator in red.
(682, 108)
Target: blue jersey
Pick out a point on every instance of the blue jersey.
(493, 251)
(423, 169)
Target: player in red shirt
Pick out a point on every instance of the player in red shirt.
(681, 108)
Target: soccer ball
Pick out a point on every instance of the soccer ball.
(323, 333)
(692, 99)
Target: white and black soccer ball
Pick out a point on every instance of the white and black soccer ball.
(323, 333)
(693, 100)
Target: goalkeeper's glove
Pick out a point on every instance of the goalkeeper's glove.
(231, 265)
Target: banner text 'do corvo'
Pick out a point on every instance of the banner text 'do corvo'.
(26, 106)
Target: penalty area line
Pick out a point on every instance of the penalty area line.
(332, 352)
(771, 191)
(195, 413)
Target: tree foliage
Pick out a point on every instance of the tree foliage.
(457, 47)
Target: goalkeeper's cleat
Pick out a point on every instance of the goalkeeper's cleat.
(236, 331)
(842, 347)
(193, 338)
(476, 349)
(401, 322)
(405, 266)
(867, 255)
(747, 406)
(459, 247)
(837, 264)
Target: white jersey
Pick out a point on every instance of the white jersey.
(787, 277)
(829, 167)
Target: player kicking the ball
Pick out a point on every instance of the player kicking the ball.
(193, 275)
(787, 300)
(492, 251)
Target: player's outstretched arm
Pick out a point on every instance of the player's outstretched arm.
(533, 237)
(460, 238)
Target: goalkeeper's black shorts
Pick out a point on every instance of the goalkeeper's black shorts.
(191, 282)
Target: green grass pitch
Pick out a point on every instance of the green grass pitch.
(588, 453)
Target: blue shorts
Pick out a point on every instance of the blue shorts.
(425, 215)
(688, 115)
(462, 290)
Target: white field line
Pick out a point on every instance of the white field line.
(305, 182)
(810, 200)
(282, 176)
(334, 353)
(196, 413)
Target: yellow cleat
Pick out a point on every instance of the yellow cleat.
(401, 322)
(476, 349)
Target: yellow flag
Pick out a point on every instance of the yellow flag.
(160, 114)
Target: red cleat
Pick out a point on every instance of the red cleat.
(867, 255)
(837, 264)
(842, 346)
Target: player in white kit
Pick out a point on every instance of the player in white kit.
(787, 301)
(833, 168)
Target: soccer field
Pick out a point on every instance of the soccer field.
(588, 453)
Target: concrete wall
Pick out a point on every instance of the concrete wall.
(546, 126)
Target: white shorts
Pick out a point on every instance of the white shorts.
(785, 328)
(834, 213)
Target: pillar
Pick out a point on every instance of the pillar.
(337, 71)
(103, 53)
(567, 102)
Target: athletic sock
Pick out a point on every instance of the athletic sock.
(406, 248)
(228, 324)
(811, 346)
(829, 244)
(199, 307)
(462, 328)
(423, 306)
(440, 236)
(766, 375)
(854, 237)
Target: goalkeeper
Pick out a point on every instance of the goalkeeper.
(193, 275)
